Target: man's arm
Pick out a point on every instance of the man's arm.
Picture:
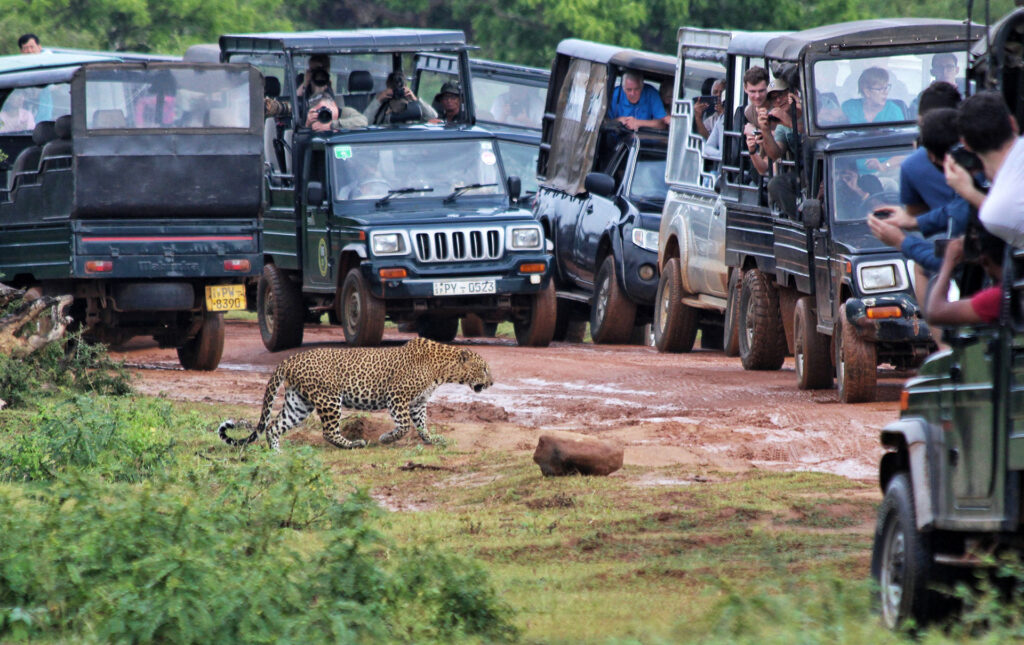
(961, 181)
(939, 310)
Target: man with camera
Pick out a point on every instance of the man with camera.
(706, 124)
(450, 100)
(325, 111)
(398, 104)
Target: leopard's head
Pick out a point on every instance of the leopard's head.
(472, 370)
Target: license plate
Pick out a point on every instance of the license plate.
(463, 287)
(225, 297)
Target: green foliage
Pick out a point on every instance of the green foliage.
(70, 363)
(120, 440)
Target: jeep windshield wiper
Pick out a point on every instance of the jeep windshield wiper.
(461, 189)
(402, 191)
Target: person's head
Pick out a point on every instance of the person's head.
(938, 133)
(985, 123)
(451, 98)
(777, 92)
(320, 61)
(873, 85)
(846, 168)
(317, 104)
(633, 86)
(718, 91)
(396, 83)
(319, 79)
(945, 68)
(29, 44)
(937, 95)
(986, 249)
(755, 85)
(665, 92)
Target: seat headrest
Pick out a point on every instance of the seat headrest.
(62, 126)
(271, 86)
(109, 119)
(360, 81)
(44, 132)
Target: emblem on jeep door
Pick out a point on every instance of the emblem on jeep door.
(321, 252)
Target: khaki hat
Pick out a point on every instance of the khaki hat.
(778, 85)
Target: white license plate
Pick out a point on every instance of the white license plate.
(225, 297)
(463, 287)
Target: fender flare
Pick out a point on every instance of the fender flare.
(918, 446)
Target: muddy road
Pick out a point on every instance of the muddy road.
(699, 410)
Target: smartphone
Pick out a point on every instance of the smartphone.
(882, 213)
(757, 133)
(774, 119)
(710, 100)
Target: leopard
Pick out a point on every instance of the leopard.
(326, 379)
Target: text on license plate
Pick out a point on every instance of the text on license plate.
(225, 297)
(463, 287)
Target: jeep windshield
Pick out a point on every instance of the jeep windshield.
(648, 183)
(865, 180)
(507, 103)
(520, 159)
(181, 98)
(879, 90)
(373, 170)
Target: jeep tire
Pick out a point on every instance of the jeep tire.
(811, 350)
(279, 310)
(731, 346)
(675, 324)
(361, 313)
(539, 328)
(611, 313)
(762, 337)
(856, 364)
(204, 351)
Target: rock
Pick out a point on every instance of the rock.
(568, 453)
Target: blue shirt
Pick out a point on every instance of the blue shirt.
(648, 107)
(951, 216)
(922, 183)
(854, 111)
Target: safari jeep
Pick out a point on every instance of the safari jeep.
(134, 187)
(601, 192)
(811, 279)
(953, 471)
(411, 222)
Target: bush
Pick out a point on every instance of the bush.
(120, 440)
(72, 363)
(227, 554)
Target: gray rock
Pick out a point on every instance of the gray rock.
(568, 453)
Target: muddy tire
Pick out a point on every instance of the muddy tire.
(361, 313)
(811, 348)
(567, 328)
(731, 344)
(204, 351)
(612, 314)
(762, 337)
(902, 562)
(443, 330)
(675, 324)
(279, 310)
(539, 329)
(856, 364)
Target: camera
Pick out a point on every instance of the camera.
(397, 84)
(323, 115)
(757, 132)
(940, 246)
(965, 158)
(882, 213)
(710, 100)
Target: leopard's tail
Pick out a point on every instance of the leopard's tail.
(268, 403)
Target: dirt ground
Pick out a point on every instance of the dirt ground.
(698, 410)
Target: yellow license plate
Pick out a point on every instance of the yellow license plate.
(225, 297)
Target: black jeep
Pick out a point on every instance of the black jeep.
(410, 221)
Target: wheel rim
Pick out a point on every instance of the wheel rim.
(663, 306)
(601, 306)
(268, 311)
(894, 557)
(748, 327)
(840, 363)
(799, 359)
(352, 309)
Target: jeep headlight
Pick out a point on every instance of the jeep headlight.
(878, 278)
(646, 239)
(389, 244)
(521, 238)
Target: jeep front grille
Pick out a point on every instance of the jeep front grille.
(460, 245)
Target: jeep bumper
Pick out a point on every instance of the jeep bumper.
(888, 319)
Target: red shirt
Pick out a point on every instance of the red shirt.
(986, 303)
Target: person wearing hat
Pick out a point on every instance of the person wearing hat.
(449, 100)
(775, 118)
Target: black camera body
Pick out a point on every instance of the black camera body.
(323, 115)
(397, 84)
(965, 158)
(710, 100)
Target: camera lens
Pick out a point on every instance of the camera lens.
(323, 115)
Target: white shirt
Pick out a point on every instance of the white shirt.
(1002, 213)
(713, 146)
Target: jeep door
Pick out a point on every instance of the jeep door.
(598, 214)
(318, 260)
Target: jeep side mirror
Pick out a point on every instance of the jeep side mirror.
(810, 213)
(314, 193)
(599, 184)
(515, 188)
